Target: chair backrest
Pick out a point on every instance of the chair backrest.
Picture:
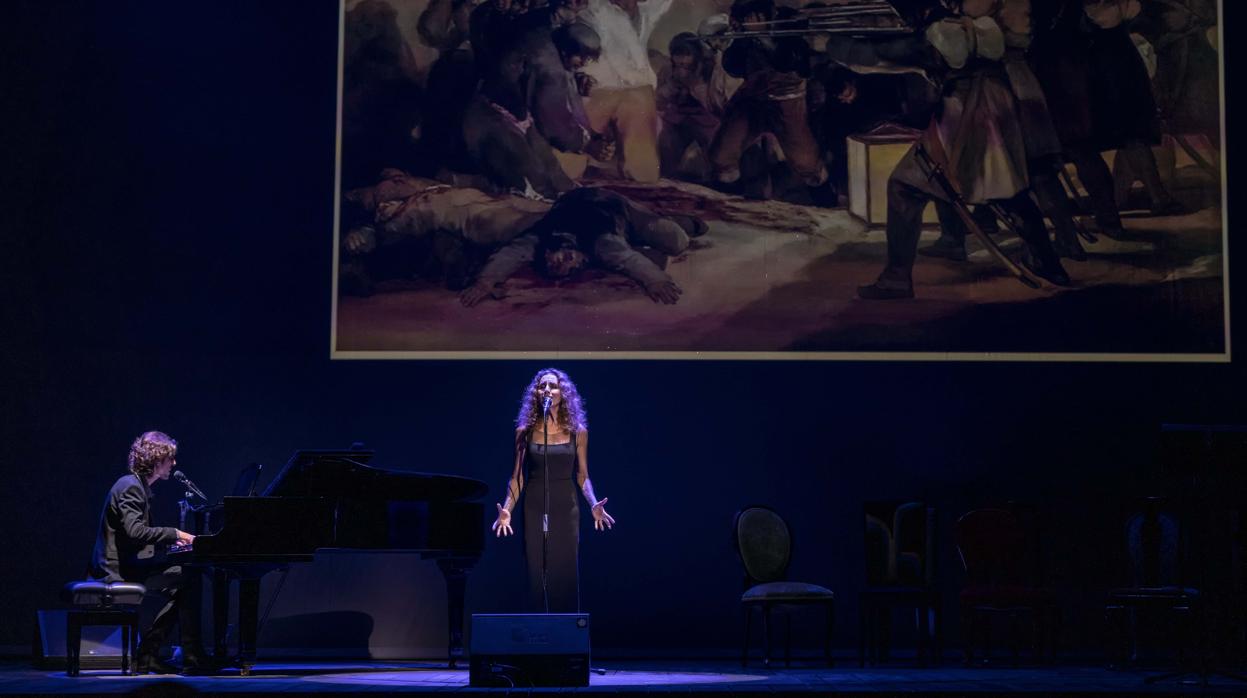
(992, 546)
(900, 543)
(1154, 545)
(763, 543)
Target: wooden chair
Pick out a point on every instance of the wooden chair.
(764, 546)
(900, 573)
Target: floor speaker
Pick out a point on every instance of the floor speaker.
(524, 650)
(101, 644)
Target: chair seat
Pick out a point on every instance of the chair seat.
(1007, 596)
(103, 594)
(1158, 594)
(897, 592)
(786, 592)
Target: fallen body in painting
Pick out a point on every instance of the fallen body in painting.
(763, 277)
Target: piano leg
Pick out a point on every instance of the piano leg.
(220, 615)
(456, 574)
(248, 616)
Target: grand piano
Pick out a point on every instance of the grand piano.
(333, 500)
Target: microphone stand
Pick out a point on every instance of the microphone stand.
(185, 507)
(545, 517)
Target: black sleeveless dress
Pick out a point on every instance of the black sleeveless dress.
(557, 469)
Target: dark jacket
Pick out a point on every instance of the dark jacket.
(770, 67)
(126, 540)
(526, 76)
(607, 226)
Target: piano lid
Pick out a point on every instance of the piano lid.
(346, 474)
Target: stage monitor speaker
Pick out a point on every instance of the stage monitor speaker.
(101, 644)
(525, 650)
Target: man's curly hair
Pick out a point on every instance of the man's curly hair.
(571, 411)
(148, 450)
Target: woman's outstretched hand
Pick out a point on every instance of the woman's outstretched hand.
(502, 525)
(601, 520)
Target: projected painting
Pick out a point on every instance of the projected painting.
(964, 179)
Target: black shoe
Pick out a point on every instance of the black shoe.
(1045, 264)
(1053, 273)
(945, 249)
(1114, 232)
(986, 218)
(1069, 248)
(875, 292)
(1169, 207)
(197, 664)
(151, 664)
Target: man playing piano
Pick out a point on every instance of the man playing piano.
(126, 550)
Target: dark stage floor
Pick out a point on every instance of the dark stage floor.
(708, 678)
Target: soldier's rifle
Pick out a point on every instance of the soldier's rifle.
(935, 173)
(867, 18)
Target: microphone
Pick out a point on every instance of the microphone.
(181, 477)
(545, 404)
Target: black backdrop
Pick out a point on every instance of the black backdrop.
(167, 261)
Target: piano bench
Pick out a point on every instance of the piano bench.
(102, 603)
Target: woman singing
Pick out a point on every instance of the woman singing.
(551, 464)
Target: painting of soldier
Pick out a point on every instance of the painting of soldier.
(966, 179)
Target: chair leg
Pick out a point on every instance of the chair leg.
(744, 650)
(831, 626)
(985, 624)
(1111, 636)
(1015, 631)
(924, 629)
(877, 636)
(134, 641)
(861, 634)
(766, 634)
(939, 631)
(788, 639)
(1185, 636)
(1039, 628)
(1054, 633)
(73, 644)
(968, 630)
(883, 642)
(125, 649)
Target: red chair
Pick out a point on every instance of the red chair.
(1002, 580)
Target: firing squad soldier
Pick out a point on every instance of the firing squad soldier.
(688, 102)
(772, 100)
(975, 137)
(529, 100)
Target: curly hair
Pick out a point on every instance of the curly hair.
(571, 410)
(148, 450)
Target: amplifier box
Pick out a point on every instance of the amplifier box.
(523, 650)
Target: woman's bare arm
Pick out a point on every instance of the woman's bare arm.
(582, 467)
(502, 525)
(516, 484)
(601, 519)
